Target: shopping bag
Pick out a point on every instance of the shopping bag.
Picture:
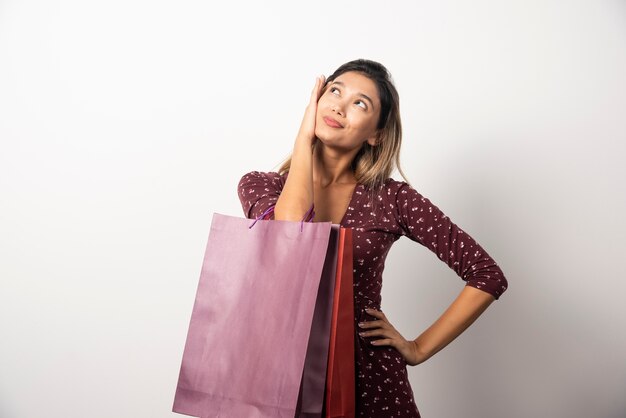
(312, 390)
(333, 375)
(251, 320)
(340, 381)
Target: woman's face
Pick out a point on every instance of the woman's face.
(352, 100)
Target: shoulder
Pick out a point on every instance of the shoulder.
(261, 178)
(395, 189)
(401, 195)
(261, 175)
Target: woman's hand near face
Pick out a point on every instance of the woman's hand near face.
(307, 127)
(297, 197)
(390, 336)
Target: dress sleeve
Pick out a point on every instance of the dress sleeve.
(423, 222)
(258, 191)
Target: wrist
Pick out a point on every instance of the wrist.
(304, 142)
(423, 353)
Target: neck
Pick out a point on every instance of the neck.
(331, 166)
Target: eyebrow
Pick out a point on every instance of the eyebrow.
(358, 94)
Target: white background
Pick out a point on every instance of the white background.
(125, 124)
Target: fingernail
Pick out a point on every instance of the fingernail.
(361, 324)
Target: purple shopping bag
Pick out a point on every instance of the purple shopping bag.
(251, 320)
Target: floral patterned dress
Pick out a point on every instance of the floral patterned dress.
(382, 383)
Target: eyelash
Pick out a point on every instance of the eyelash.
(335, 88)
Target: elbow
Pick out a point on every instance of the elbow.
(494, 284)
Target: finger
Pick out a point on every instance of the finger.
(378, 314)
(382, 341)
(392, 341)
(372, 324)
(322, 85)
(378, 332)
(315, 90)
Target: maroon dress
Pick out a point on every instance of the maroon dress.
(382, 383)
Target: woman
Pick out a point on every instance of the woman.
(346, 148)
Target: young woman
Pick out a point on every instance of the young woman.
(347, 146)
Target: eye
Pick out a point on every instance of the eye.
(364, 107)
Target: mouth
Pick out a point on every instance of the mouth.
(332, 122)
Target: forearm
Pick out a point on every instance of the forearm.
(296, 197)
(465, 309)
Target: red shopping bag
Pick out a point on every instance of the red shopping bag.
(251, 320)
(340, 383)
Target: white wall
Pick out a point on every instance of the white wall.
(125, 124)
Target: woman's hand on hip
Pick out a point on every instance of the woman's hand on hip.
(307, 127)
(390, 336)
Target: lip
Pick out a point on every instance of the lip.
(332, 122)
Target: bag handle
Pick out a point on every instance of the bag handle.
(307, 216)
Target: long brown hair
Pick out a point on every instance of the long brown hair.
(372, 165)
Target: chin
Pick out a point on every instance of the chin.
(320, 135)
(324, 139)
(332, 143)
(327, 134)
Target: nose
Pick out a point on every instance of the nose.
(337, 108)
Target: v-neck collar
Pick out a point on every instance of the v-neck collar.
(350, 205)
(344, 219)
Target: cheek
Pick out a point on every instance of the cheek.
(362, 122)
(322, 101)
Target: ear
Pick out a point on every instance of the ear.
(374, 139)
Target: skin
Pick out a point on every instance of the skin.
(333, 180)
(324, 178)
